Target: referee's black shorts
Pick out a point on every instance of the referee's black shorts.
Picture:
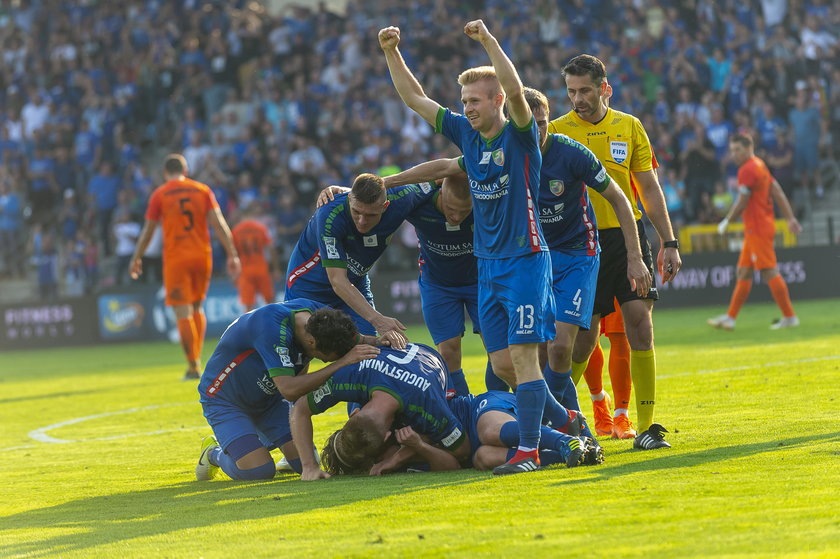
(612, 275)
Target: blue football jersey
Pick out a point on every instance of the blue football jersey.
(255, 347)
(504, 176)
(415, 376)
(446, 251)
(566, 216)
(331, 239)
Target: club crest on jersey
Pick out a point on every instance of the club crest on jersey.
(618, 151)
(499, 157)
(556, 187)
(370, 240)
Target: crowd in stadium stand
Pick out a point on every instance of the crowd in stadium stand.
(269, 107)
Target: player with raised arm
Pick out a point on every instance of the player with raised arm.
(757, 190)
(620, 142)
(184, 208)
(502, 160)
(259, 366)
(569, 224)
(342, 241)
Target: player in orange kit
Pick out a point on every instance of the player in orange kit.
(252, 241)
(184, 208)
(757, 190)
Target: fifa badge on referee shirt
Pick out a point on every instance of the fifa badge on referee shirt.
(618, 150)
(556, 187)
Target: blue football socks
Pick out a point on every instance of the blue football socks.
(531, 398)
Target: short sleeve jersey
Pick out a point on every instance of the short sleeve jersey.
(181, 207)
(446, 251)
(620, 143)
(504, 176)
(758, 215)
(415, 377)
(255, 347)
(331, 240)
(251, 238)
(566, 214)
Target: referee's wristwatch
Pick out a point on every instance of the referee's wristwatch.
(671, 244)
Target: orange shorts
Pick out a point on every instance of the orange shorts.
(186, 281)
(613, 323)
(251, 283)
(758, 253)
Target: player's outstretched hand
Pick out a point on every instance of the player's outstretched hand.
(358, 354)
(313, 474)
(477, 31)
(389, 37)
(328, 194)
(392, 339)
(668, 262)
(639, 276)
(408, 437)
(386, 324)
(234, 266)
(136, 268)
(722, 226)
(794, 226)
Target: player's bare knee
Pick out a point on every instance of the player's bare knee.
(486, 458)
(560, 353)
(584, 345)
(450, 350)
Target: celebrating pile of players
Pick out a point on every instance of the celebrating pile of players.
(534, 232)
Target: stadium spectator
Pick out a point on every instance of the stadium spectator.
(105, 89)
(11, 214)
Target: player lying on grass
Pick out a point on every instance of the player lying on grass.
(493, 434)
(259, 366)
(396, 386)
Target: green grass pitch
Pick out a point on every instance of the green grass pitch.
(98, 446)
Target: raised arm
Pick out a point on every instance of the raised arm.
(407, 86)
(637, 272)
(657, 211)
(220, 226)
(518, 109)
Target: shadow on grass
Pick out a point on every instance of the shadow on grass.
(107, 519)
(52, 395)
(664, 459)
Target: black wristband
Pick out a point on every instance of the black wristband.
(671, 244)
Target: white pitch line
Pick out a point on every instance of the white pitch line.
(745, 367)
(40, 434)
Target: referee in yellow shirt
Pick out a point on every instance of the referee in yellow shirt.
(620, 142)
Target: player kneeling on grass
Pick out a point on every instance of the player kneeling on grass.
(493, 433)
(260, 366)
(397, 386)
